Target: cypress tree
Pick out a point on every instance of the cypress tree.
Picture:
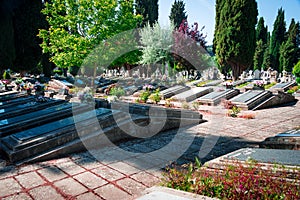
(261, 31)
(277, 38)
(236, 35)
(259, 55)
(148, 9)
(289, 50)
(28, 19)
(7, 48)
(178, 13)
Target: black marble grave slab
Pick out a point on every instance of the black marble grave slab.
(215, 97)
(167, 93)
(29, 120)
(17, 101)
(27, 108)
(272, 156)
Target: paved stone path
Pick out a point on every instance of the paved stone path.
(125, 170)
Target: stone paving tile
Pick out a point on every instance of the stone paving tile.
(111, 192)
(70, 186)
(52, 173)
(108, 173)
(132, 187)
(18, 196)
(70, 168)
(124, 168)
(90, 180)
(30, 180)
(88, 196)
(28, 168)
(9, 186)
(145, 178)
(45, 192)
(8, 171)
(88, 163)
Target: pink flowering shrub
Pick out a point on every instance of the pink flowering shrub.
(236, 181)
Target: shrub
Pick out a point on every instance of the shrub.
(185, 105)
(234, 111)
(144, 96)
(117, 91)
(236, 180)
(6, 75)
(155, 96)
(296, 69)
(196, 105)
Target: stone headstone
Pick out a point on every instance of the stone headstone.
(257, 74)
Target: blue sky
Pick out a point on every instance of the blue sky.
(203, 12)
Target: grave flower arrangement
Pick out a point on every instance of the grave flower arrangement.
(86, 96)
(259, 84)
(228, 84)
(148, 87)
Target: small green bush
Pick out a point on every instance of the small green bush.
(156, 97)
(296, 69)
(117, 91)
(144, 96)
(234, 111)
(6, 75)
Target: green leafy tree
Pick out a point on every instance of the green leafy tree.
(277, 38)
(149, 10)
(178, 13)
(156, 43)
(78, 27)
(236, 35)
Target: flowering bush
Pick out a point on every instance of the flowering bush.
(228, 84)
(260, 84)
(148, 87)
(236, 180)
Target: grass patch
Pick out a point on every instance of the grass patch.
(242, 85)
(268, 86)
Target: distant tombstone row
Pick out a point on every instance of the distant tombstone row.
(269, 75)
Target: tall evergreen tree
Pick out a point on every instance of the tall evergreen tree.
(178, 13)
(236, 35)
(267, 60)
(277, 38)
(7, 48)
(148, 9)
(259, 55)
(261, 31)
(289, 50)
(28, 19)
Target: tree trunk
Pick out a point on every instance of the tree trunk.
(93, 77)
(236, 71)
